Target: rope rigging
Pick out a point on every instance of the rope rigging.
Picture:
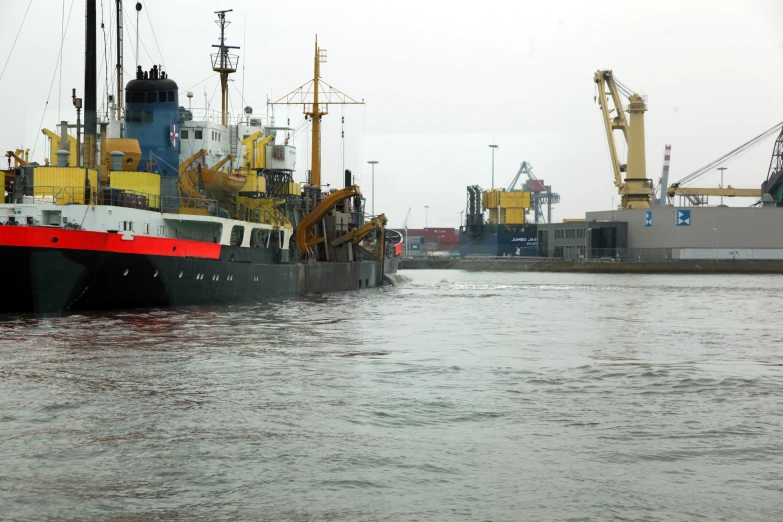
(730, 156)
(15, 39)
(54, 77)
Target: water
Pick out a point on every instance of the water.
(455, 396)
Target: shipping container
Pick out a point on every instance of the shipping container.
(431, 246)
(413, 246)
(431, 238)
(449, 238)
(416, 239)
(415, 231)
(438, 231)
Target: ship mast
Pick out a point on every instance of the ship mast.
(224, 63)
(90, 87)
(309, 96)
(315, 115)
(119, 59)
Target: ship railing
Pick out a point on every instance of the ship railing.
(115, 197)
(205, 206)
(261, 215)
(211, 115)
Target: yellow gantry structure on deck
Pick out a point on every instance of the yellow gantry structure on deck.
(635, 190)
(315, 106)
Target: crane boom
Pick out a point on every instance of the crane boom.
(636, 189)
(728, 191)
(304, 231)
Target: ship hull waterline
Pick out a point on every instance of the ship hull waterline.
(51, 280)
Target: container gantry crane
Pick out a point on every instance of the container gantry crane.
(540, 193)
(636, 189)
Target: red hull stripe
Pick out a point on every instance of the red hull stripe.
(43, 237)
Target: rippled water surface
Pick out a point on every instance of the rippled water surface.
(454, 396)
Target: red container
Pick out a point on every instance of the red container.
(415, 231)
(438, 231)
(449, 238)
(431, 238)
(536, 185)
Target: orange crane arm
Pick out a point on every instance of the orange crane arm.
(357, 234)
(304, 231)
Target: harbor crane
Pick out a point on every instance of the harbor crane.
(540, 194)
(636, 189)
(698, 196)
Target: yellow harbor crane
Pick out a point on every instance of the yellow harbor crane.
(636, 189)
(697, 195)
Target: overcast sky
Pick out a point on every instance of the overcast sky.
(442, 80)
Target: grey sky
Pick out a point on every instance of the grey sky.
(442, 80)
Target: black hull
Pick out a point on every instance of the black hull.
(51, 280)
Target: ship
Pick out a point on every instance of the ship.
(498, 222)
(131, 218)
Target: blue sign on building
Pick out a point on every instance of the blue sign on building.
(648, 218)
(683, 218)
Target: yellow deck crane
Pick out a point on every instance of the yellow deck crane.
(188, 193)
(636, 189)
(16, 155)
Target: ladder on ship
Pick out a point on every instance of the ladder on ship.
(233, 138)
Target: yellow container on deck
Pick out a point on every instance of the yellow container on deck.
(64, 185)
(142, 183)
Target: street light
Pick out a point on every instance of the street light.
(721, 169)
(373, 163)
(425, 215)
(493, 147)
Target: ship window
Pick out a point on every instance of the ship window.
(171, 96)
(237, 235)
(198, 134)
(152, 97)
(137, 97)
(258, 238)
(162, 96)
(133, 116)
(149, 116)
(184, 134)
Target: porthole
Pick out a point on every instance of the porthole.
(126, 272)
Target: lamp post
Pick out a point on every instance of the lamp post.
(721, 169)
(425, 215)
(373, 163)
(493, 147)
